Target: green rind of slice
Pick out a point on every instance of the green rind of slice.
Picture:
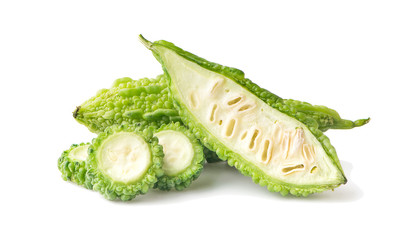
(72, 165)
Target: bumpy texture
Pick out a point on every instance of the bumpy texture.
(127, 102)
(234, 159)
(323, 117)
(72, 169)
(125, 191)
(183, 179)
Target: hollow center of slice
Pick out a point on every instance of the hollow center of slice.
(177, 149)
(124, 157)
(79, 153)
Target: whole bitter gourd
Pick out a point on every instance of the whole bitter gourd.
(127, 102)
(124, 161)
(248, 126)
(184, 156)
(72, 164)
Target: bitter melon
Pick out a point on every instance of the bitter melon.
(248, 126)
(72, 164)
(184, 157)
(127, 102)
(124, 161)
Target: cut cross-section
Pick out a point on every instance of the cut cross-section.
(177, 149)
(124, 157)
(72, 164)
(79, 153)
(184, 156)
(124, 161)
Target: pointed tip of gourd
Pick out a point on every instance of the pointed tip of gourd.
(361, 122)
(76, 111)
(145, 42)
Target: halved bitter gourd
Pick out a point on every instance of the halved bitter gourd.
(247, 125)
(72, 164)
(184, 157)
(124, 161)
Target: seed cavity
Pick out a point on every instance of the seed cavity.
(244, 135)
(253, 139)
(213, 111)
(245, 108)
(230, 128)
(277, 133)
(297, 140)
(234, 101)
(313, 169)
(291, 169)
(285, 145)
(267, 151)
(194, 100)
(216, 85)
(308, 153)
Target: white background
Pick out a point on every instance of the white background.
(353, 56)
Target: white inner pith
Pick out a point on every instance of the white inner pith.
(279, 145)
(177, 149)
(124, 157)
(79, 153)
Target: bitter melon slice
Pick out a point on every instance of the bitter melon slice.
(248, 126)
(184, 157)
(72, 164)
(124, 161)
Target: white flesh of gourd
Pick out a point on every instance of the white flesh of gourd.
(279, 145)
(177, 149)
(79, 153)
(124, 157)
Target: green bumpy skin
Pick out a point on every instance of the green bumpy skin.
(72, 165)
(184, 156)
(124, 161)
(252, 127)
(322, 117)
(127, 102)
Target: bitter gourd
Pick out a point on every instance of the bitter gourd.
(184, 156)
(127, 102)
(72, 164)
(124, 161)
(248, 126)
